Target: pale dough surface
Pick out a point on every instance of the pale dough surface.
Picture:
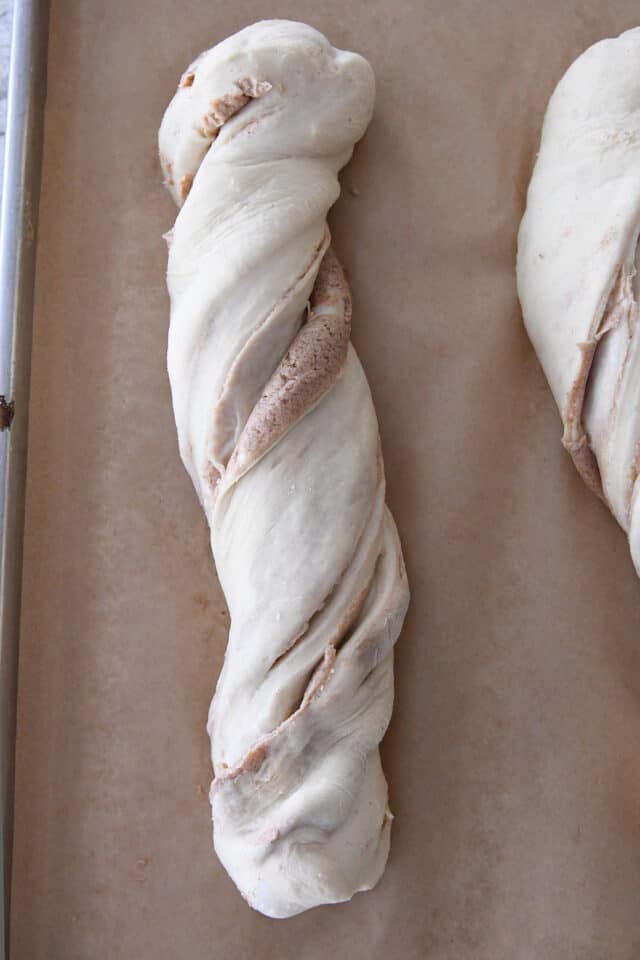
(577, 268)
(278, 431)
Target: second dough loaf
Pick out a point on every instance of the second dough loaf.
(578, 269)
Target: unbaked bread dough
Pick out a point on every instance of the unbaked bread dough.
(277, 429)
(577, 269)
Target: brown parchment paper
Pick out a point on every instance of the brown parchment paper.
(513, 755)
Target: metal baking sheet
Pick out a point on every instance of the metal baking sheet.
(512, 755)
(18, 231)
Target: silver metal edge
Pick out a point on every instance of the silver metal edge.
(20, 196)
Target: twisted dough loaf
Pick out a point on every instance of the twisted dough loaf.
(278, 432)
(577, 269)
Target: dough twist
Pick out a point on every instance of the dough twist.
(278, 431)
(578, 269)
